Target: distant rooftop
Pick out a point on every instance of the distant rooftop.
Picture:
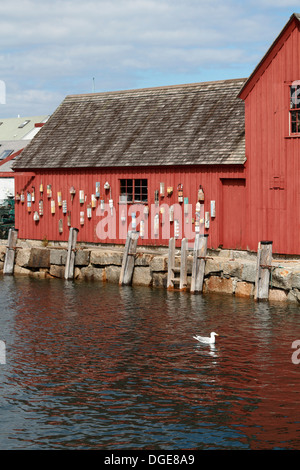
(21, 127)
(7, 149)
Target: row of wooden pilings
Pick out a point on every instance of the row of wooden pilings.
(177, 276)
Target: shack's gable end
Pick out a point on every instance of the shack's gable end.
(274, 49)
(189, 124)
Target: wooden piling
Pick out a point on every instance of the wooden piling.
(128, 258)
(183, 264)
(173, 280)
(9, 261)
(171, 263)
(70, 263)
(199, 259)
(263, 270)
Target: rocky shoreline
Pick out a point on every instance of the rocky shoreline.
(226, 271)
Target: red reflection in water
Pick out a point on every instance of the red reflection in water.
(125, 357)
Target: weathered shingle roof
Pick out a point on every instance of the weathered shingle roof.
(193, 124)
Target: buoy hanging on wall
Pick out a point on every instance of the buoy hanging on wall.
(176, 228)
(72, 192)
(111, 206)
(64, 206)
(29, 202)
(41, 207)
(142, 228)
(133, 221)
(93, 201)
(36, 216)
(60, 226)
(97, 189)
(213, 208)
(59, 200)
(89, 211)
(200, 194)
(206, 220)
(81, 196)
(49, 191)
(52, 206)
(123, 216)
(156, 224)
(180, 192)
(81, 218)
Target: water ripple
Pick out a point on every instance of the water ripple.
(101, 367)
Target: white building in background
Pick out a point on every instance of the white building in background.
(15, 134)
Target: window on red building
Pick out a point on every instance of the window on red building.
(134, 190)
(295, 108)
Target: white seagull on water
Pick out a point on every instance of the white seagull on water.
(207, 339)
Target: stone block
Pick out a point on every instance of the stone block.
(159, 279)
(22, 257)
(244, 289)
(58, 257)
(232, 268)
(2, 252)
(277, 295)
(143, 259)
(39, 258)
(39, 274)
(213, 266)
(21, 270)
(295, 281)
(106, 258)
(90, 273)
(57, 271)
(159, 263)
(82, 258)
(219, 284)
(142, 276)
(112, 274)
(248, 271)
(294, 295)
(282, 278)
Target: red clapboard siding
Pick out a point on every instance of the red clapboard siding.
(61, 180)
(273, 155)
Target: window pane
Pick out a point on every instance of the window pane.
(123, 186)
(140, 190)
(137, 190)
(126, 189)
(295, 97)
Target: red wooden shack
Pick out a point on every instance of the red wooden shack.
(103, 156)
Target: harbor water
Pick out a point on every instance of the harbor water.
(96, 366)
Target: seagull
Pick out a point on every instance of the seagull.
(206, 339)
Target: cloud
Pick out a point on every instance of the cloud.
(56, 47)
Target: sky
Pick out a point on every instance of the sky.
(53, 48)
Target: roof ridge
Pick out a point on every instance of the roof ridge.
(157, 88)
